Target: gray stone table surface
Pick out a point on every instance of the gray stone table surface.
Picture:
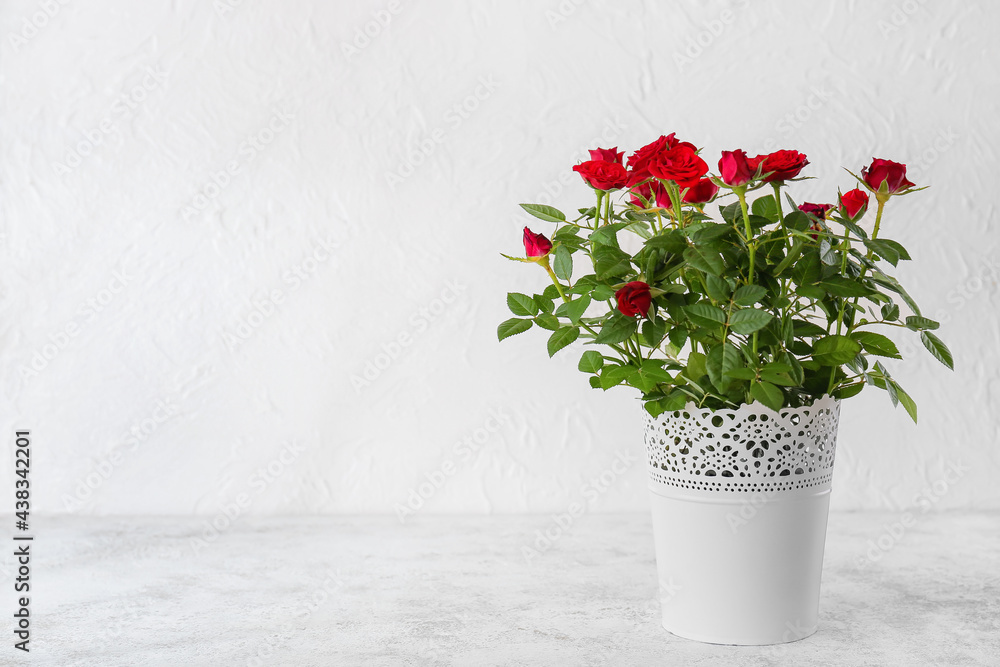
(462, 590)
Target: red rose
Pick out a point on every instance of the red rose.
(634, 299)
(607, 155)
(535, 245)
(786, 165)
(893, 174)
(603, 175)
(680, 164)
(701, 192)
(652, 192)
(817, 210)
(736, 168)
(853, 203)
(638, 160)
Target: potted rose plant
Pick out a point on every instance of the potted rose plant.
(742, 332)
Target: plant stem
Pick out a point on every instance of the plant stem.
(843, 271)
(777, 200)
(751, 246)
(878, 221)
(555, 281)
(854, 303)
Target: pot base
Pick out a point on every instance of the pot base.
(709, 639)
(740, 571)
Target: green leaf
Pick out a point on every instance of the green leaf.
(612, 376)
(617, 329)
(893, 284)
(546, 213)
(847, 392)
(545, 303)
(678, 336)
(706, 315)
(608, 234)
(748, 295)
(653, 332)
(937, 348)
(731, 212)
(884, 250)
(591, 362)
(764, 207)
(890, 312)
(705, 260)
(568, 233)
(876, 344)
(890, 387)
(675, 400)
(649, 375)
(671, 241)
(806, 329)
(748, 320)
(835, 350)
(768, 394)
(575, 309)
(845, 287)
(512, 327)
(853, 228)
(562, 265)
(792, 255)
(898, 247)
(918, 323)
(721, 360)
(778, 378)
(696, 365)
(562, 337)
(602, 293)
(827, 254)
(717, 287)
(904, 398)
(547, 321)
(787, 332)
(742, 374)
(610, 262)
(521, 304)
(797, 374)
(710, 233)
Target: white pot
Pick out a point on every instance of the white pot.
(740, 500)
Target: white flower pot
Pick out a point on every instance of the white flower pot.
(740, 500)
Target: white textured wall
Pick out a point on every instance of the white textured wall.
(126, 289)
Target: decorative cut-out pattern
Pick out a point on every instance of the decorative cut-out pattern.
(750, 449)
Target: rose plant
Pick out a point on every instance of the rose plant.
(756, 304)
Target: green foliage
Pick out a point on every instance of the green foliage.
(748, 305)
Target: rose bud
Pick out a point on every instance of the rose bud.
(634, 299)
(602, 175)
(893, 174)
(701, 192)
(607, 155)
(785, 165)
(736, 168)
(817, 210)
(854, 203)
(652, 192)
(535, 245)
